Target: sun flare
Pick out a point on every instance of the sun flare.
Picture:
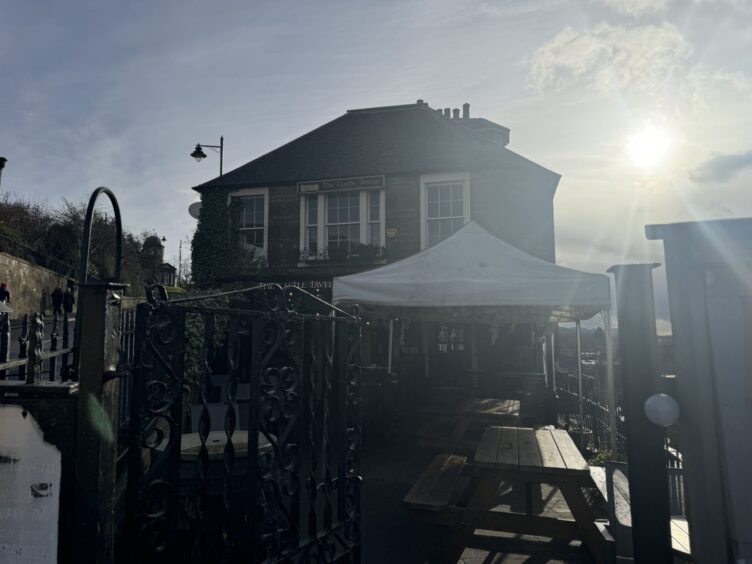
(648, 147)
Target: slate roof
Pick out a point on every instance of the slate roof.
(411, 138)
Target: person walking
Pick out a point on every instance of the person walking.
(68, 300)
(57, 301)
(4, 293)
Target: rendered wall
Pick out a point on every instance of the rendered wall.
(30, 285)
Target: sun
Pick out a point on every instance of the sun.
(648, 147)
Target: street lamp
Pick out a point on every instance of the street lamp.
(199, 155)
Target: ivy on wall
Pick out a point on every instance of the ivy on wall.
(211, 249)
(216, 251)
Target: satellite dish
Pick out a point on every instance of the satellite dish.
(194, 209)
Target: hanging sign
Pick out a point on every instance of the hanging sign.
(354, 183)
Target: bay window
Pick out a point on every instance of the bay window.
(339, 224)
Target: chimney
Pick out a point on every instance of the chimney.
(465, 111)
(456, 113)
(419, 101)
(3, 160)
(447, 112)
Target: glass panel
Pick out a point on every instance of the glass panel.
(312, 210)
(445, 208)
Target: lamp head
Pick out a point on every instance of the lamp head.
(661, 410)
(198, 153)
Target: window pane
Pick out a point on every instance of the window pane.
(433, 194)
(444, 192)
(312, 210)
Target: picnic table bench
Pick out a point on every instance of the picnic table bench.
(460, 493)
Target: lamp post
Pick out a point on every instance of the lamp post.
(199, 155)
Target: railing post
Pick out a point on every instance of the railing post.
(4, 341)
(65, 369)
(23, 343)
(36, 337)
(98, 321)
(53, 347)
(648, 479)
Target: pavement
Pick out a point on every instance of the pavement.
(391, 466)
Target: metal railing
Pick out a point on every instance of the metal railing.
(596, 423)
(32, 363)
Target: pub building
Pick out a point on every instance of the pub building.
(371, 187)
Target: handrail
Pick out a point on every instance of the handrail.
(83, 275)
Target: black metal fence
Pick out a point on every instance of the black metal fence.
(245, 432)
(41, 351)
(596, 422)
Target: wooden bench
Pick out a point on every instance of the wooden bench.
(463, 494)
(438, 487)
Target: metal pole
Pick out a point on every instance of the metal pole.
(648, 479)
(553, 359)
(579, 378)
(221, 152)
(611, 389)
(391, 339)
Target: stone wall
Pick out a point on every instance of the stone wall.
(30, 285)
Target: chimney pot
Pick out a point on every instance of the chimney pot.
(447, 112)
(465, 111)
(456, 113)
(419, 101)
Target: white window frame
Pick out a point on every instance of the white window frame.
(321, 218)
(425, 180)
(246, 192)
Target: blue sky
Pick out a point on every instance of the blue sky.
(117, 94)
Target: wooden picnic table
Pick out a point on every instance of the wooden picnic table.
(519, 454)
(489, 411)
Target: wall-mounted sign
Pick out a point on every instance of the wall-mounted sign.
(355, 183)
(391, 232)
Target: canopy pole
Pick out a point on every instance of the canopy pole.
(610, 387)
(474, 348)
(389, 354)
(424, 336)
(544, 356)
(579, 378)
(553, 359)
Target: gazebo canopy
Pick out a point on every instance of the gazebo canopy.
(474, 275)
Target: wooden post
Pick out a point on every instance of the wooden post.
(98, 321)
(648, 479)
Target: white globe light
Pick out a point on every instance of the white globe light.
(661, 410)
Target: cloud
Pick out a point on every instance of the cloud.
(721, 168)
(609, 58)
(634, 8)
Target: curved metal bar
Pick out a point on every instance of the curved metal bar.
(83, 275)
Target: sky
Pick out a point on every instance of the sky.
(117, 94)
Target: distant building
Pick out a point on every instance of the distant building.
(153, 265)
(373, 186)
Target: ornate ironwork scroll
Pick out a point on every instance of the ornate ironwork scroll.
(273, 411)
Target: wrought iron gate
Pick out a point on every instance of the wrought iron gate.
(277, 478)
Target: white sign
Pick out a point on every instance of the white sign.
(29, 490)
